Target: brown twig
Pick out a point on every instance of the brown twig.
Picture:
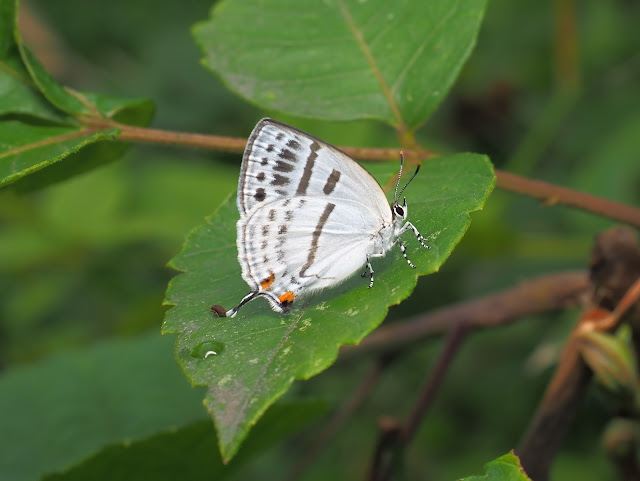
(615, 268)
(455, 338)
(543, 294)
(556, 413)
(392, 442)
(382, 461)
(549, 194)
(534, 296)
(130, 133)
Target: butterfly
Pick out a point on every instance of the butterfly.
(310, 216)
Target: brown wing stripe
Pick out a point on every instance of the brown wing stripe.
(332, 180)
(316, 235)
(306, 174)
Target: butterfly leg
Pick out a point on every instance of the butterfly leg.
(369, 267)
(421, 239)
(403, 248)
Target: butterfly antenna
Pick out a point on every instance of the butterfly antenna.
(408, 181)
(399, 176)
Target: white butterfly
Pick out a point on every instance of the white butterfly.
(310, 216)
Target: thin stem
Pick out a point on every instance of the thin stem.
(547, 293)
(562, 100)
(394, 438)
(130, 133)
(373, 64)
(382, 462)
(548, 193)
(457, 334)
(614, 291)
(555, 414)
(551, 194)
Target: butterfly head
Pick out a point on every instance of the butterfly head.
(400, 212)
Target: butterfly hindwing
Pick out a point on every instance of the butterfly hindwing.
(304, 243)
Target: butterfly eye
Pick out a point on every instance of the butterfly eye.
(399, 210)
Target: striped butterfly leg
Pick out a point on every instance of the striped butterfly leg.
(369, 267)
(419, 236)
(403, 248)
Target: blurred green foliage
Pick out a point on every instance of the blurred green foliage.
(85, 260)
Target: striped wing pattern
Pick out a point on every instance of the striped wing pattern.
(308, 214)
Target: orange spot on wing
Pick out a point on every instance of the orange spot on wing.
(286, 298)
(267, 282)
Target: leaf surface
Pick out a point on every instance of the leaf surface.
(504, 468)
(190, 452)
(59, 411)
(259, 353)
(342, 59)
(42, 137)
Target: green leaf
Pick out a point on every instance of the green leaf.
(611, 358)
(190, 453)
(40, 124)
(260, 353)
(54, 92)
(505, 468)
(342, 59)
(18, 94)
(61, 149)
(59, 411)
(28, 148)
(7, 16)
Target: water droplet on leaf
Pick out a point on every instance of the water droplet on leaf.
(207, 349)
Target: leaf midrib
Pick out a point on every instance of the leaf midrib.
(41, 143)
(364, 48)
(421, 48)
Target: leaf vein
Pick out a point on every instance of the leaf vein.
(357, 34)
(421, 48)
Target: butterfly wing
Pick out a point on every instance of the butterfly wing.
(309, 214)
(281, 162)
(304, 244)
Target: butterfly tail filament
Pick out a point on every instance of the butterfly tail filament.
(281, 303)
(249, 297)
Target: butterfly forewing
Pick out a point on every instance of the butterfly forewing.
(281, 162)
